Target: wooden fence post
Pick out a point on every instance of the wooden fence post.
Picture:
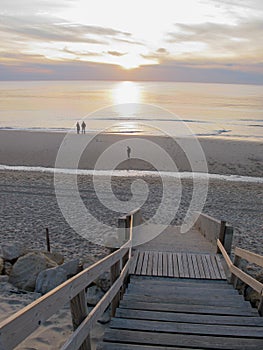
(221, 233)
(47, 239)
(234, 278)
(115, 273)
(260, 306)
(79, 311)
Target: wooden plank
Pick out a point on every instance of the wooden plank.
(139, 263)
(183, 290)
(190, 318)
(199, 309)
(80, 334)
(170, 265)
(249, 256)
(224, 253)
(185, 265)
(191, 266)
(150, 264)
(175, 266)
(145, 263)
(122, 346)
(205, 266)
(215, 267)
(155, 263)
(180, 265)
(134, 263)
(187, 328)
(195, 266)
(183, 340)
(210, 266)
(193, 300)
(200, 266)
(253, 283)
(165, 264)
(220, 268)
(79, 312)
(25, 321)
(160, 264)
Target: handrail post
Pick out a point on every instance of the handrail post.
(115, 273)
(79, 311)
(260, 306)
(233, 277)
(222, 233)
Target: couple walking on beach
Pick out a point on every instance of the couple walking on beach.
(83, 127)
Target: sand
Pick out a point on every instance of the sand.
(28, 205)
(223, 156)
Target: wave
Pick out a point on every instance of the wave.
(135, 173)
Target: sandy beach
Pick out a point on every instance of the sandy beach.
(28, 204)
(223, 156)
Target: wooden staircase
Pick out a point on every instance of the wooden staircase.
(160, 313)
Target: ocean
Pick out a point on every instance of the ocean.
(217, 110)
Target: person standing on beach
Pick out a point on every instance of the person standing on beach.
(83, 127)
(128, 152)
(78, 127)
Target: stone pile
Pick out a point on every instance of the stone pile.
(38, 272)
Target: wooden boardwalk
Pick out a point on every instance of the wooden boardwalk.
(179, 298)
(159, 313)
(183, 265)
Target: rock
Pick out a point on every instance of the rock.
(51, 278)
(71, 267)
(106, 317)
(12, 251)
(7, 268)
(55, 256)
(4, 278)
(94, 294)
(1, 265)
(27, 268)
(6, 287)
(104, 281)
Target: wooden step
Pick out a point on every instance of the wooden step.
(182, 340)
(121, 346)
(187, 328)
(190, 318)
(186, 308)
(237, 301)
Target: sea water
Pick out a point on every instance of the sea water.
(217, 110)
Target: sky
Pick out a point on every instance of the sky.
(161, 40)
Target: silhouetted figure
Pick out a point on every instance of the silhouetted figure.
(128, 152)
(83, 127)
(78, 127)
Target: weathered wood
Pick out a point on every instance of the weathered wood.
(183, 340)
(233, 278)
(160, 264)
(79, 311)
(145, 263)
(224, 253)
(77, 338)
(121, 346)
(150, 264)
(165, 265)
(220, 267)
(133, 264)
(249, 256)
(21, 324)
(115, 273)
(170, 265)
(155, 264)
(190, 318)
(139, 263)
(197, 309)
(187, 328)
(253, 283)
(200, 266)
(175, 265)
(221, 236)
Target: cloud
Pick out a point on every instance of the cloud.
(239, 41)
(117, 53)
(43, 28)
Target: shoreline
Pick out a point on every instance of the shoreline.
(223, 156)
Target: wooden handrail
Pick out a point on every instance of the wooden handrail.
(252, 282)
(249, 256)
(20, 325)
